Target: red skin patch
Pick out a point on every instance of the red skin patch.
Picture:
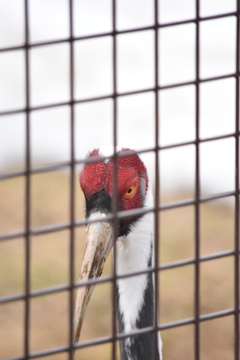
(92, 175)
(98, 175)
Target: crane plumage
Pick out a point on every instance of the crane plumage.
(134, 248)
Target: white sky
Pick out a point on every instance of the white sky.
(49, 83)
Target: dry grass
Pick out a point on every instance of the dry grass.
(49, 266)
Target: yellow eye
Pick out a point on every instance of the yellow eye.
(81, 189)
(131, 191)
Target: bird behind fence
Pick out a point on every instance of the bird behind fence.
(134, 247)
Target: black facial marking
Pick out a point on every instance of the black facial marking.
(125, 225)
(99, 201)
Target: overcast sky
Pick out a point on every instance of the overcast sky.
(49, 83)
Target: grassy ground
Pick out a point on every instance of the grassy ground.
(49, 266)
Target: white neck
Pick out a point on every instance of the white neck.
(133, 252)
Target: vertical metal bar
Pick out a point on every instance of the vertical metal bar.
(27, 190)
(114, 205)
(72, 193)
(236, 264)
(157, 187)
(197, 194)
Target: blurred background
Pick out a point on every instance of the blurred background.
(50, 143)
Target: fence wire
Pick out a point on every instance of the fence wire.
(73, 224)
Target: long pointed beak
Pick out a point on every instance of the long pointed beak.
(98, 247)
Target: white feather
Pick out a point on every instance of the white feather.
(132, 253)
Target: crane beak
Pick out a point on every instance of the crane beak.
(98, 246)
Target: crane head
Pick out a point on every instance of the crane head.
(96, 181)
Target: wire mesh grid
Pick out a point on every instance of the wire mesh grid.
(196, 202)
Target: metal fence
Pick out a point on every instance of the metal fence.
(196, 261)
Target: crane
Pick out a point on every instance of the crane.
(134, 248)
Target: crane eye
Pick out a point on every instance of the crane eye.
(131, 191)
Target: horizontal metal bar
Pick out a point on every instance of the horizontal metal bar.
(66, 164)
(218, 255)
(42, 353)
(217, 314)
(111, 96)
(119, 336)
(12, 298)
(105, 279)
(49, 352)
(199, 81)
(218, 16)
(108, 339)
(181, 203)
(176, 204)
(51, 228)
(123, 214)
(202, 318)
(194, 142)
(115, 33)
(218, 196)
(191, 261)
(178, 323)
